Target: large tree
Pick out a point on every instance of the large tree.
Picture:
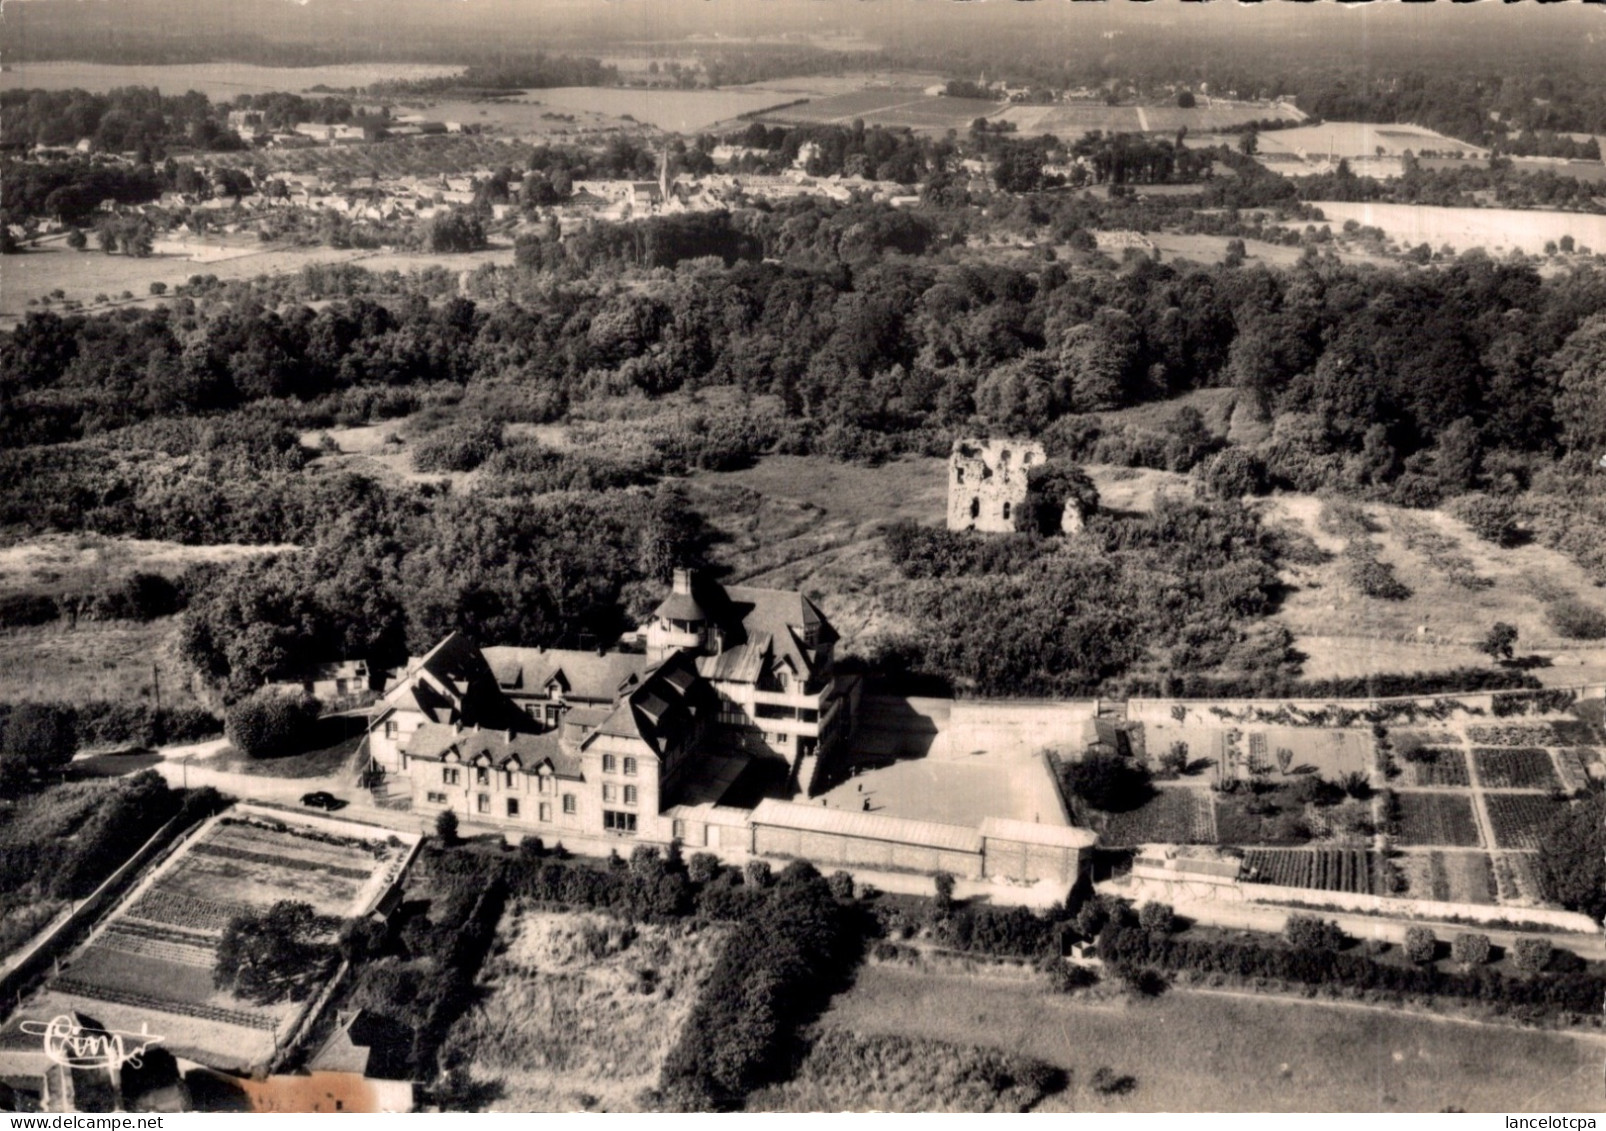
(1572, 858)
(271, 955)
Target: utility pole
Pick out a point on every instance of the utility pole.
(158, 731)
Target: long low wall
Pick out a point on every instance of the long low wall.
(1570, 921)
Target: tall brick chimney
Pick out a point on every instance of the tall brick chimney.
(682, 582)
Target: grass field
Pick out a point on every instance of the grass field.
(95, 660)
(1437, 819)
(1191, 1051)
(1496, 230)
(1360, 139)
(680, 111)
(1343, 633)
(578, 1011)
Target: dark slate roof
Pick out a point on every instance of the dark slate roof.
(599, 677)
(437, 742)
(368, 1044)
(774, 620)
(452, 684)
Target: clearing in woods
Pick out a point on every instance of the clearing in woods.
(1192, 1051)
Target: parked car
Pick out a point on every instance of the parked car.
(321, 800)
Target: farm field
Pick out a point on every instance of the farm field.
(1437, 819)
(1514, 767)
(84, 275)
(578, 1011)
(1191, 1051)
(155, 953)
(1070, 120)
(1176, 815)
(680, 111)
(1519, 819)
(904, 106)
(215, 80)
(1325, 869)
(1496, 230)
(1459, 877)
(1361, 139)
(1593, 172)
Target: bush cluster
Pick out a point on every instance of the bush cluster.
(1535, 997)
(270, 723)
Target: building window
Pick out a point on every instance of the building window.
(678, 829)
(543, 784)
(608, 791)
(545, 811)
(609, 763)
(630, 795)
(449, 776)
(435, 798)
(630, 767)
(507, 778)
(482, 775)
(781, 738)
(568, 803)
(391, 729)
(552, 715)
(512, 807)
(484, 802)
(616, 822)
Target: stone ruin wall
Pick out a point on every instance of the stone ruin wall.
(987, 482)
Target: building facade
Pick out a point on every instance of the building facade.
(734, 684)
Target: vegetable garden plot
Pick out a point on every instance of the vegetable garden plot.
(1174, 816)
(1520, 767)
(1519, 819)
(1513, 734)
(1325, 869)
(1437, 818)
(1440, 766)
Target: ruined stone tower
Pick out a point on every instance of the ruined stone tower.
(987, 482)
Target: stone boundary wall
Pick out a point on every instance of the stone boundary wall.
(1492, 915)
(975, 724)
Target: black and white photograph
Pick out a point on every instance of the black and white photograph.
(813, 556)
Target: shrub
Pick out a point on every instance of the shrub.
(1157, 917)
(703, 867)
(1531, 955)
(1372, 577)
(1307, 932)
(944, 885)
(1489, 518)
(1420, 944)
(1575, 620)
(757, 873)
(458, 447)
(1107, 1082)
(446, 827)
(1109, 782)
(37, 738)
(158, 288)
(272, 723)
(1470, 948)
(26, 610)
(841, 884)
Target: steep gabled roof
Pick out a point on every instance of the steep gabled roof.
(453, 684)
(600, 677)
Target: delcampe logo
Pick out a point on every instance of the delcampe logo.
(73, 1045)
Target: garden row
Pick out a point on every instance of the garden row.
(1326, 869)
(118, 996)
(186, 912)
(227, 852)
(1553, 732)
(170, 949)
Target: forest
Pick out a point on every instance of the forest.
(855, 332)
